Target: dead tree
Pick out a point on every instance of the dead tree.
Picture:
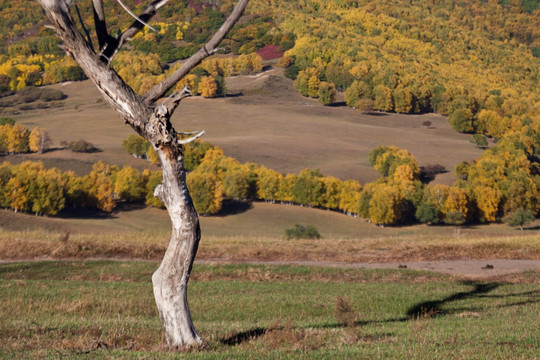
(149, 115)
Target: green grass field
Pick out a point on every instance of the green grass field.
(100, 309)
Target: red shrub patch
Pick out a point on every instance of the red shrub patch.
(270, 52)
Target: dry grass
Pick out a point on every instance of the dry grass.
(147, 245)
(269, 123)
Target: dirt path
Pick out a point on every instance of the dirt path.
(468, 268)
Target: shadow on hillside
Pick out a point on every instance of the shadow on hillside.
(376, 113)
(338, 104)
(73, 213)
(234, 95)
(234, 207)
(429, 172)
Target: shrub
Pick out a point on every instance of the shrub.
(136, 145)
(480, 141)
(302, 232)
(81, 146)
(6, 121)
(31, 94)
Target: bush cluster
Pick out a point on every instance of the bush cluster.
(302, 232)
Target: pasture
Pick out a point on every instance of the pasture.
(103, 309)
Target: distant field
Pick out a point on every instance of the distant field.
(263, 121)
(258, 234)
(104, 310)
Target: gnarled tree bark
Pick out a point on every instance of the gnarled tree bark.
(151, 120)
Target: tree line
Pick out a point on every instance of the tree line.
(487, 189)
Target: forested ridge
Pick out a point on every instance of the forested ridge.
(476, 61)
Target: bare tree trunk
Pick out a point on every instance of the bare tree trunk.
(170, 281)
(151, 119)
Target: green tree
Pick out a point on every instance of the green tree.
(519, 217)
(428, 213)
(358, 90)
(308, 188)
(152, 179)
(205, 190)
(236, 182)
(480, 141)
(327, 93)
(461, 120)
(136, 145)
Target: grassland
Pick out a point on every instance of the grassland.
(105, 309)
(258, 234)
(266, 123)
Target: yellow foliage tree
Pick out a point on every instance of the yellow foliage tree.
(487, 200)
(349, 197)
(208, 87)
(39, 140)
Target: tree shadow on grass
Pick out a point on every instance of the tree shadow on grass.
(425, 309)
(244, 336)
(433, 307)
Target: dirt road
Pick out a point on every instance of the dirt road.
(469, 268)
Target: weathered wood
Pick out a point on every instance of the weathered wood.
(152, 121)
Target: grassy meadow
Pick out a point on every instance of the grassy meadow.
(103, 309)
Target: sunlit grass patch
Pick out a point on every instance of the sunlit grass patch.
(72, 309)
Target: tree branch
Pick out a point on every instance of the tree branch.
(112, 87)
(100, 23)
(88, 38)
(174, 100)
(115, 44)
(193, 138)
(135, 16)
(208, 49)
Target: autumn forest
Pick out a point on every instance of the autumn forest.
(476, 62)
